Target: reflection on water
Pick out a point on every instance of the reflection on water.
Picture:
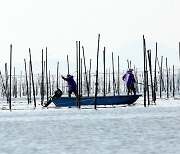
(134, 129)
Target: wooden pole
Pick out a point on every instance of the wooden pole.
(68, 63)
(155, 78)
(118, 87)
(96, 84)
(167, 89)
(10, 78)
(79, 57)
(42, 80)
(77, 70)
(150, 69)
(145, 71)
(87, 84)
(32, 79)
(173, 83)
(57, 81)
(113, 75)
(104, 62)
(47, 88)
(27, 86)
(90, 76)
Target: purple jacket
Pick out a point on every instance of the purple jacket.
(129, 78)
(71, 82)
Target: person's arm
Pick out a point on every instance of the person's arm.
(63, 77)
(123, 77)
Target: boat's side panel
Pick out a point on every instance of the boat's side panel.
(101, 100)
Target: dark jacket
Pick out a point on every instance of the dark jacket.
(129, 78)
(71, 82)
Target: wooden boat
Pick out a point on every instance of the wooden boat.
(100, 100)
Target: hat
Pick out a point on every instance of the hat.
(130, 70)
(68, 75)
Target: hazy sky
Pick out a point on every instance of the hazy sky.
(58, 24)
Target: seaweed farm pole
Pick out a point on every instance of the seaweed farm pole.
(7, 78)
(79, 71)
(42, 79)
(50, 91)
(113, 74)
(27, 88)
(96, 84)
(32, 78)
(68, 63)
(90, 76)
(150, 69)
(57, 82)
(118, 83)
(10, 77)
(104, 62)
(85, 72)
(145, 71)
(155, 78)
(3, 85)
(179, 51)
(77, 85)
(20, 85)
(173, 83)
(167, 79)
(47, 91)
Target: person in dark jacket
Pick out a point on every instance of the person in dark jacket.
(71, 84)
(129, 80)
(58, 93)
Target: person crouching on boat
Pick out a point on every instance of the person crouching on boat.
(58, 93)
(129, 80)
(71, 84)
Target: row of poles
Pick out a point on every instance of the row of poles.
(45, 77)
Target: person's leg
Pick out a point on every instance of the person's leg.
(74, 92)
(133, 89)
(128, 90)
(69, 93)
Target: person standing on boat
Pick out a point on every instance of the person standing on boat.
(71, 84)
(129, 80)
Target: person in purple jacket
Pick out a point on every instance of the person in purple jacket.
(129, 80)
(71, 84)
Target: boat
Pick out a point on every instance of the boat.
(100, 100)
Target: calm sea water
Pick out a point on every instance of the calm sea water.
(121, 130)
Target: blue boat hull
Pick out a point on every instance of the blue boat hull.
(101, 100)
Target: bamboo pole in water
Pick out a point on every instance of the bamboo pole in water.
(96, 84)
(167, 77)
(173, 83)
(161, 74)
(68, 64)
(150, 69)
(32, 78)
(20, 85)
(85, 72)
(47, 88)
(90, 76)
(10, 78)
(42, 79)
(113, 75)
(155, 78)
(145, 71)
(104, 62)
(27, 88)
(57, 81)
(118, 83)
(6, 79)
(77, 70)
